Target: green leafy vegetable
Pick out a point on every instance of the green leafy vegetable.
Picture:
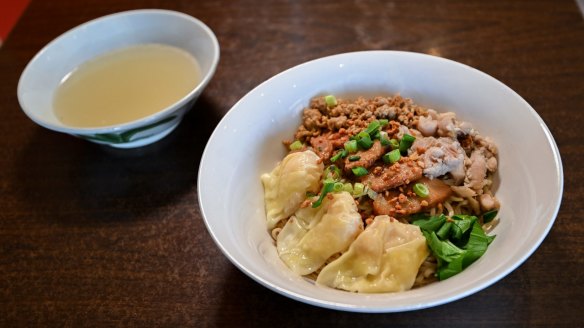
(430, 224)
(489, 216)
(456, 243)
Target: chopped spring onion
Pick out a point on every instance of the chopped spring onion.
(359, 171)
(354, 158)
(330, 100)
(365, 142)
(421, 190)
(351, 146)
(384, 139)
(406, 142)
(296, 145)
(383, 122)
(358, 189)
(326, 188)
(392, 157)
(394, 143)
(348, 187)
(338, 187)
(372, 127)
(363, 134)
(332, 172)
(489, 216)
(340, 154)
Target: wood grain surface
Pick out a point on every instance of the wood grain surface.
(96, 237)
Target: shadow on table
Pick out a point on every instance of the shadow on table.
(70, 178)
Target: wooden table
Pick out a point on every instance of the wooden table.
(91, 236)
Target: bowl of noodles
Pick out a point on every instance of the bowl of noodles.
(380, 181)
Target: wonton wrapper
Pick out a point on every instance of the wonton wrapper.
(315, 234)
(286, 186)
(384, 258)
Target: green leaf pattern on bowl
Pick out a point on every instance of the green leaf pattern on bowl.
(126, 136)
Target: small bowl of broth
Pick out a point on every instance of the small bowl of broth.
(124, 80)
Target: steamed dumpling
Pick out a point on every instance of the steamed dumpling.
(384, 258)
(286, 186)
(313, 235)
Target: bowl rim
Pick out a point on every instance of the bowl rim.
(390, 308)
(152, 118)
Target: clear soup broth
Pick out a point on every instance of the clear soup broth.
(125, 85)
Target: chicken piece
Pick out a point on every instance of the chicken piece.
(488, 202)
(398, 174)
(367, 157)
(427, 126)
(446, 124)
(477, 171)
(394, 203)
(440, 156)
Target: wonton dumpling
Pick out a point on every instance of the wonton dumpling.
(286, 186)
(384, 258)
(313, 235)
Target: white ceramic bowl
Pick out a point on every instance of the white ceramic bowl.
(247, 143)
(42, 75)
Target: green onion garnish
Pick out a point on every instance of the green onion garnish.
(330, 100)
(326, 188)
(384, 139)
(372, 127)
(365, 142)
(348, 187)
(392, 157)
(358, 189)
(406, 142)
(362, 135)
(354, 158)
(359, 171)
(332, 172)
(383, 122)
(338, 187)
(421, 190)
(394, 143)
(340, 154)
(296, 145)
(351, 146)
